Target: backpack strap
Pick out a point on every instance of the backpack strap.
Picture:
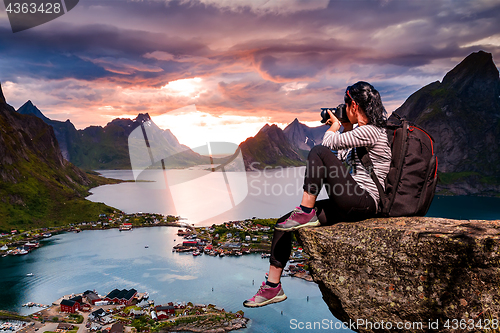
(368, 164)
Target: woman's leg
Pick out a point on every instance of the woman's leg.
(347, 202)
(322, 164)
(271, 291)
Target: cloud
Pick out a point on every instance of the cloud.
(266, 6)
(278, 59)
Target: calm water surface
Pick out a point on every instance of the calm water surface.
(270, 194)
(108, 259)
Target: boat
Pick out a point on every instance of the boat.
(222, 254)
(146, 295)
(196, 253)
(29, 274)
(126, 226)
(147, 246)
(32, 245)
(265, 255)
(47, 235)
(4, 248)
(23, 251)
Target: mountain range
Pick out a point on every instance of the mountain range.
(98, 148)
(38, 187)
(462, 113)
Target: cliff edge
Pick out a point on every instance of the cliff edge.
(407, 270)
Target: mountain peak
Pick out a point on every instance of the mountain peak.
(142, 117)
(264, 128)
(30, 109)
(2, 98)
(476, 66)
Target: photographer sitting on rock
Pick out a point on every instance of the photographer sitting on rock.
(353, 196)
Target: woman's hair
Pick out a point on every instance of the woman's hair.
(368, 98)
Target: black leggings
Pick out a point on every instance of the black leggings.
(347, 202)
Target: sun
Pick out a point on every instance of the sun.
(185, 87)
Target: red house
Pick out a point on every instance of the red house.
(69, 306)
(124, 296)
(190, 243)
(163, 311)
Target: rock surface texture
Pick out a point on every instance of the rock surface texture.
(408, 270)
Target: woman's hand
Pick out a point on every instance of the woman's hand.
(333, 122)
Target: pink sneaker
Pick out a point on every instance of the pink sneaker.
(266, 295)
(298, 219)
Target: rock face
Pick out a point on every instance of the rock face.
(407, 270)
(270, 147)
(37, 186)
(304, 137)
(462, 113)
(65, 132)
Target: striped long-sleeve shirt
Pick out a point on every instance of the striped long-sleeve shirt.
(375, 141)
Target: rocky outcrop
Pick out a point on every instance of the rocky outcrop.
(407, 270)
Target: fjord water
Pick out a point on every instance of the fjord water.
(107, 259)
(271, 193)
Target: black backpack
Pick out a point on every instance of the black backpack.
(411, 182)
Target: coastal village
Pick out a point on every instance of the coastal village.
(125, 311)
(128, 311)
(232, 238)
(237, 238)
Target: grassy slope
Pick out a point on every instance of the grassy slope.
(36, 190)
(41, 201)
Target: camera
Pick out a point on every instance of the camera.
(339, 112)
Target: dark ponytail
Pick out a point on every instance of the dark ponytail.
(368, 98)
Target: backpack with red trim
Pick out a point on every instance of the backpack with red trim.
(411, 182)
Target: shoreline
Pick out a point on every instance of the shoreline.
(40, 234)
(180, 316)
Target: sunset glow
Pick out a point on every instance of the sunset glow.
(242, 63)
(194, 128)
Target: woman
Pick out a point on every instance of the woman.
(353, 196)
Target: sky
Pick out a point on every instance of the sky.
(218, 70)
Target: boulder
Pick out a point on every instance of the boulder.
(409, 270)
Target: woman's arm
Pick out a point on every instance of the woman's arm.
(361, 136)
(336, 124)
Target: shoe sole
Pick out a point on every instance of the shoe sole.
(308, 224)
(275, 299)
